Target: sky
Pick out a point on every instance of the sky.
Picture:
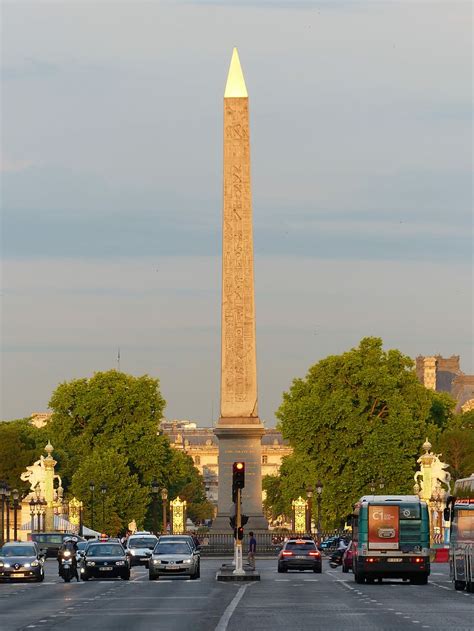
(111, 178)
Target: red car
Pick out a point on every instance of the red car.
(347, 558)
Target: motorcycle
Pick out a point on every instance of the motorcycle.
(335, 560)
(67, 569)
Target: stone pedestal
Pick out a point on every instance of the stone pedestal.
(240, 439)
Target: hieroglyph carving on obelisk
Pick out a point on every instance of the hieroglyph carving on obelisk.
(238, 361)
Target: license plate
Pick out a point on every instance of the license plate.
(105, 569)
(172, 566)
(394, 560)
(300, 557)
(17, 575)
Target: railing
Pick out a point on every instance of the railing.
(268, 543)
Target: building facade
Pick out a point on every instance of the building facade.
(444, 374)
(201, 444)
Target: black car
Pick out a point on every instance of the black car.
(104, 560)
(50, 542)
(299, 554)
(21, 560)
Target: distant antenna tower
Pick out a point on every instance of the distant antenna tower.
(118, 359)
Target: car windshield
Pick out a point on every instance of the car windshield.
(81, 545)
(105, 550)
(302, 546)
(18, 551)
(142, 542)
(172, 548)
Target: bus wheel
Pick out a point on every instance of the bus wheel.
(459, 585)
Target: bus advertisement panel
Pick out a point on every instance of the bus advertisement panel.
(384, 527)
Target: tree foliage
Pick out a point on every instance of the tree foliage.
(20, 445)
(355, 417)
(118, 415)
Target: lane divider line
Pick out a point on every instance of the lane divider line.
(226, 616)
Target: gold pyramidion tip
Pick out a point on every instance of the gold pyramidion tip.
(235, 86)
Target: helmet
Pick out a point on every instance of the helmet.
(67, 539)
(74, 539)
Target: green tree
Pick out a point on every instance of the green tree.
(125, 499)
(456, 444)
(20, 445)
(355, 417)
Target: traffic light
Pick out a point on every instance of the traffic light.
(238, 478)
(240, 533)
(233, 521)
(243, 519)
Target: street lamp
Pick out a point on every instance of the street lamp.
(103, 492)
(7, 493)
(319, 490)
(309, 495)
(381, 484)
(155, 489)
(43, 505)
(32, 513)
(372, 486)
(92, 489)
(2, 497)
(164, 498)
(15, 495)
(81, 519)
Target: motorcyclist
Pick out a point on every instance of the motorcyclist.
(68, 549)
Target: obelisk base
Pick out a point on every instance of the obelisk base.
(240, 439)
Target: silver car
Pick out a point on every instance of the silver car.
(173, 558)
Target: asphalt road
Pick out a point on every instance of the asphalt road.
(293, 601)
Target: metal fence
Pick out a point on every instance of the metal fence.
(268, 543)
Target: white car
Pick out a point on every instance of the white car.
(139, 548)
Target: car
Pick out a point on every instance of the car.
(50, 542)
(21, 560)
(104, 560)
(347, 558)
(140, 547)
(174, 558)
(299, 554)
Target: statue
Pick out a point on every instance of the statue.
(35, 474)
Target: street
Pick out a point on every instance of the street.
(298, 600)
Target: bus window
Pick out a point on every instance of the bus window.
(463, 526)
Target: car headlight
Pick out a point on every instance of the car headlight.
(156, 561)
(7, 565)
(66, 553)
(2, 564)
(26, 564)
(90, 563)
(133, 552)
(188, 561)
(33, 564)
(119, 562)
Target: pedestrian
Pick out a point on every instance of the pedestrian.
(252, 550)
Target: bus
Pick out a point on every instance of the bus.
(460, 512)
(390, 539)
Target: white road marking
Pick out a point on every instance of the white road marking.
(226, 616)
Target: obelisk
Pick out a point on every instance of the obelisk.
(239, 429)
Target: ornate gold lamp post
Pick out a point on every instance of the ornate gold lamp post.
(309, 495)
(178, 516)
(164, 500)
(299, 514)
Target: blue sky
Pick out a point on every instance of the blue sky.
(111, 188)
